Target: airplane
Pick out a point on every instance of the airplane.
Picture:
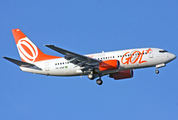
(117, 64)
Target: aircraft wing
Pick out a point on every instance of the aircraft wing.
(74, 57)
(22, 64)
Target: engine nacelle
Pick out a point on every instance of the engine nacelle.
(109, 65)
(122, 74)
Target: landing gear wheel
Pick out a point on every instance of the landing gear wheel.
(157, 71)
(91, 76)
(99, 81)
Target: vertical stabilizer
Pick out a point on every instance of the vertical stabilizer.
(28, 51)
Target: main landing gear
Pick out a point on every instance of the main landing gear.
(99, 81)
(93, 76)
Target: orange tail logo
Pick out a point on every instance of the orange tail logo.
(28, 51)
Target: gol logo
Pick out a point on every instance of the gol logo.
(134, 57)
(27, 50)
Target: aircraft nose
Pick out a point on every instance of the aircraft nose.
(172, 56)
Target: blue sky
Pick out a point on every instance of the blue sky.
(89, 27)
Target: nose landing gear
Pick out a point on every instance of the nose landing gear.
(159, 66)
(157, 71)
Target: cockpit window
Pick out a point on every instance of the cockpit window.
(163, 51)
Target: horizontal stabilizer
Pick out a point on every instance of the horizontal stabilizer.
(22, 64)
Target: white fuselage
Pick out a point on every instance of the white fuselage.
(129, 59)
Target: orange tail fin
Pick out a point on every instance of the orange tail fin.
(28, 51)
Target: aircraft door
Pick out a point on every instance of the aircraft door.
(151, 54)
(47, 66)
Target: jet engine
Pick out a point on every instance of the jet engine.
(122, 74)
(109, 65)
